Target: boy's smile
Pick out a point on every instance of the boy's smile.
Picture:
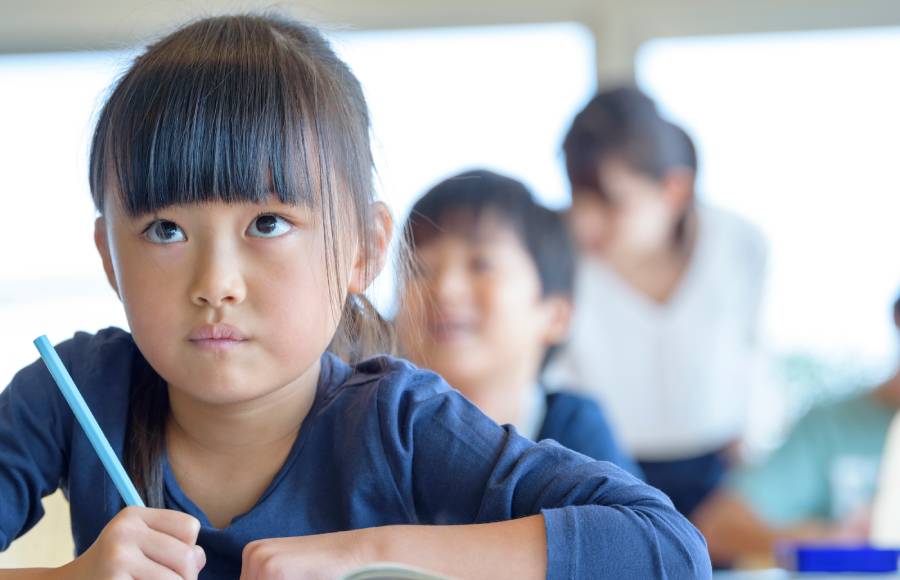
(473, 308)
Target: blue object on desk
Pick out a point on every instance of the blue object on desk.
(88, 423)
(866, 559)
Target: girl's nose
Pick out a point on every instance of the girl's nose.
(218, 281)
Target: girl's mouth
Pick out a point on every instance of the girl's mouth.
(217, 337)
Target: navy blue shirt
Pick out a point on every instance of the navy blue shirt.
(577, 422)
(384, 443)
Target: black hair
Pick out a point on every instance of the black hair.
(235, 109)
(897, 310)
(625, 124)
(459, 203)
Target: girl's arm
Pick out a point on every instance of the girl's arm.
(600, 522)
(515, 549)
(494, 503)
(29, 574)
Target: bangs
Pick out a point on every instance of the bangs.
(482, 202)
(465, 222)
(584, 173)
(583, 152)
(225, 118)
(467, 203)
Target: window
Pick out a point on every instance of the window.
(798, 132)
(441, 100)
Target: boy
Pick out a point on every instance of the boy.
(486, 296)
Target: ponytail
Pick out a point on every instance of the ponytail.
(146, 433)
(362, 332)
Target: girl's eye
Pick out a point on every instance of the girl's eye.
(269, 226)
(164, 232)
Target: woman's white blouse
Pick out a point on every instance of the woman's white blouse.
(675, 378)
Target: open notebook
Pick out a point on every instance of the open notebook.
(391, 571)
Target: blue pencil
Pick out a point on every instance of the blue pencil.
(88, 423)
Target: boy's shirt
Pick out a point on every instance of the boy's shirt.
(578, 422)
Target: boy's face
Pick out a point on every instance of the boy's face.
(191, 269)
(474, 308)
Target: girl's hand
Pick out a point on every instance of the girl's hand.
(142, 543)
(325, 556)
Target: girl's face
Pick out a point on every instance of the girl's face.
(636, 217)
(473, 308)
(228, 302)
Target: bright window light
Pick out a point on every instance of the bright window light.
(441, 100)
(798, 132)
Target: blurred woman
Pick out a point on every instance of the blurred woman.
(667, 296)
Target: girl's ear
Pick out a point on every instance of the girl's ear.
(371, 257)
(559, 312)
(102, 242)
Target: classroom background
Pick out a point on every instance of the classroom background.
(792, 104)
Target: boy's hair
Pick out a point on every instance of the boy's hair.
(460, 203)
(624, 124)
(234, 109)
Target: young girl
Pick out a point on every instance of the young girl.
(232, 173)
(667, 296)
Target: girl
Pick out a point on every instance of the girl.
(667, 296)
(232, 174)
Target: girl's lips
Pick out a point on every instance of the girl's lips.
(217, 344)
(217, 337)
(217, 332)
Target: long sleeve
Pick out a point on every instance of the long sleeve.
(33, 447)
(460, 467)
(579, 423)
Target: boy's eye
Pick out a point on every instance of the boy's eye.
(269, 226)
(164, 232)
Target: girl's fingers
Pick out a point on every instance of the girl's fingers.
(186, 560)
(176, 524)
(150, 570)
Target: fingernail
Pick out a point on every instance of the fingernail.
(201, 556)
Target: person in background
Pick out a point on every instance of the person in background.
(817, 486)
(667, 296)
(487, 295)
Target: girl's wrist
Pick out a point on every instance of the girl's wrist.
(33, 574)
(377, 545)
